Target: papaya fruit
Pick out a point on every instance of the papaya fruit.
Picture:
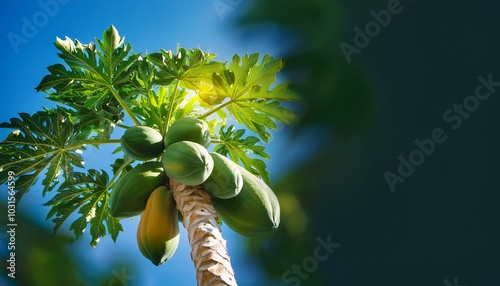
(142, 143)
(130, 194)
(188, 129)
(187, 162)
(254, 211)
(158, 230)
(225, 181)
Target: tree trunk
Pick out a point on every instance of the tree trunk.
(208, 248)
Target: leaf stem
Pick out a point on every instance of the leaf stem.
(124, 105)
(115, 124)
(122, 126)
(118, 172)
(93, 142)
(154, 110)
(216, 109)
(172, 104)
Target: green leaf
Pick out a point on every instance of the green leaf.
(94, 125)
(87, 193)
(60, 78)
(253, 102)
(145, 75)
(241, 71)
(190, 67)
(116, 65)
(42, 141)
(81, 57)
(112, 40)
(95, 77)
(241, 149)
(157, 116)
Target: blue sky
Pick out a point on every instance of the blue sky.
(28, 31)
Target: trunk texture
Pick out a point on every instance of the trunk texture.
(208, 248)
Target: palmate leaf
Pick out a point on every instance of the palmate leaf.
(240, 149)
(190, 67)
(87, 193)
(42, 141)
(176, 74)
(252, 101)
(93, 74)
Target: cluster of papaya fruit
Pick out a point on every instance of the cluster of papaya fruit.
(243, 201)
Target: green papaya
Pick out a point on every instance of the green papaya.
(142, 143)
(188, 129)
(225, 181)
(131, 192)
(254, 211)
(158, 230)
(187, 162)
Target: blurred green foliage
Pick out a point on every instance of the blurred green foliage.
(369, 112)
(42, 258)
(336, 93)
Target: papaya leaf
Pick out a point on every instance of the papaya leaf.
(45, 140)
(145, 73)
(115, 59)
(239, 149)
(142, 108)
(87, 193)
(189, 66)
(80, 57)
(93, 73)
(252, 100)
(156, 117)
(60, 79)
(186, 106)
(94, 123)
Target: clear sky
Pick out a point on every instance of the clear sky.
(28, 31)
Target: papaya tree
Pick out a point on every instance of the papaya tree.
(190, 135)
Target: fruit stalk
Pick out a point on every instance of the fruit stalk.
(208, 247)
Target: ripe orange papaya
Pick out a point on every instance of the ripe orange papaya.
(158, 230)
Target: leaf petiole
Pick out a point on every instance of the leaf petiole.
(124, 105)
(118, 172)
